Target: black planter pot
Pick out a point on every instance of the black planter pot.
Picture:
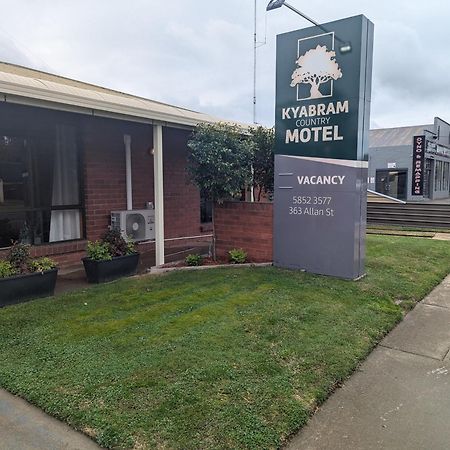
(25, 287)
(103, 271)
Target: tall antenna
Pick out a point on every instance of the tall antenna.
(255, 42)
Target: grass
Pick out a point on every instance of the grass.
(225, 358)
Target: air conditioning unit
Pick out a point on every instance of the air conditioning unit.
(138, 225)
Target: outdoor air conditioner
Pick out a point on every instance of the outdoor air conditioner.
(138, 225)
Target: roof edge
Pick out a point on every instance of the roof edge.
(97, 86)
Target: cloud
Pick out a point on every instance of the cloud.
(13, 52)
(407, 65)
(199, 54)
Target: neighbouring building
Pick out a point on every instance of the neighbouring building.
(391, 161)
(71, 153)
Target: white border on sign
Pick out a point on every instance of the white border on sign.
(298, 56)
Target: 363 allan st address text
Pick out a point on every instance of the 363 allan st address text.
(311, 206)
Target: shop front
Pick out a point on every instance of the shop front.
(395, 172)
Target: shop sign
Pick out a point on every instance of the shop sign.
(322, 127)
(418, 165)
(323, 94)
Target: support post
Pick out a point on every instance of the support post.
(127, 142)
(159, 193)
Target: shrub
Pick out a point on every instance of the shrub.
(19, 262)
(219, 160)
(118, 246)
(194, 260)
(130, 247)
(219, 163)
(110, 246)
(19, 257)
(115, 241)
(7, 269)
(98, 251)
(42, 265)
(263, 160)
(237, 256)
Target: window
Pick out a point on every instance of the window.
(437, 172)
(441, 176)
(445, 179)
(392, 183)
(206, 207)
(39, 187)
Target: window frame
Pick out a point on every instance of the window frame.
(8, 130)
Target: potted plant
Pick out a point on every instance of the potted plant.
(23, 278)
(110, 258)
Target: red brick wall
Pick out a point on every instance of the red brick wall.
(244, 225)
(105, 178)
(66, 254)
(181, 198)
(104, 170)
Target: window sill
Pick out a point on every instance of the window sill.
(208, 226)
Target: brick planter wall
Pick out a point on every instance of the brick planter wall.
(66, 254)
(244, 225)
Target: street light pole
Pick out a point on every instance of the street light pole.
(302, 14)
(345, 47)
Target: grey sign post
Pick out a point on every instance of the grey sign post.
(322, 125)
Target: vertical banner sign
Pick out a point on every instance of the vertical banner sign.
(418, 164)
(323, 96)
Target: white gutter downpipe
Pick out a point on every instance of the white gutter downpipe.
(252, 188)
(159, 193)
(127, 142)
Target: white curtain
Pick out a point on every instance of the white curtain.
(65, 224)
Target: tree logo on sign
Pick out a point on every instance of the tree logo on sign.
(316, 67)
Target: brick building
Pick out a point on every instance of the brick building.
(71, 153)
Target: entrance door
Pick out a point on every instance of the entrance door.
(392, 183)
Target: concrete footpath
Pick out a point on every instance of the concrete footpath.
(400, 396)
(25, 427)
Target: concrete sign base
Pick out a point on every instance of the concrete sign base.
(320, 215)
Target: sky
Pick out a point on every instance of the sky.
(198, 54)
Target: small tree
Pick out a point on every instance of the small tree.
(219, 162)
(315, 67)
(263, 151)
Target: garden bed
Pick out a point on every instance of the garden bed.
(209, 264)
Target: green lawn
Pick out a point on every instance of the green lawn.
(222, 358)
